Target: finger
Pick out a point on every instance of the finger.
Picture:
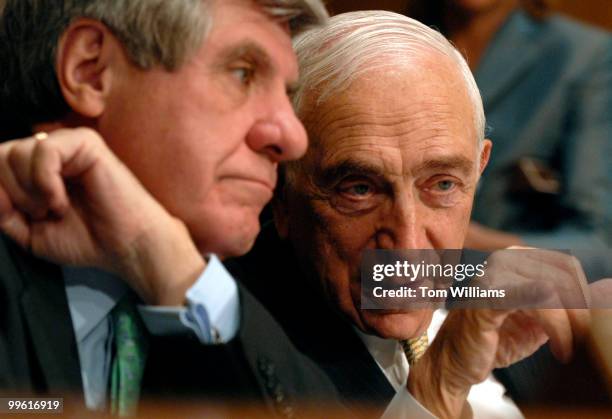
(557, 326)
(520, 292)
(40, 168)
(6, 205)
(568, 282)
(78, 149)
(565, 262)
(574, 284)
(580, 320)
(601, 293)
(520, 336)
(20, 162)
(20, 159)
(47, 177)
(562, 271)
(15, 225)
(582, 281)
(20, 198)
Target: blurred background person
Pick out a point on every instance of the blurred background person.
(546, 82)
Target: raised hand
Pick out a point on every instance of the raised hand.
(473, 342)
(68, 199)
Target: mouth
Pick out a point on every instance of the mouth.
(268, 184)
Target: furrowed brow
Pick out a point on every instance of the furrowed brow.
(463, 164)
(347, 168)
(249, 50)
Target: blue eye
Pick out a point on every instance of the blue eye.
(360, 189)
(355, 194)
(244, 75)
(445, 185)
(356, 190)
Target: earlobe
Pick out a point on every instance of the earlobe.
(485, 154)
(84, 66)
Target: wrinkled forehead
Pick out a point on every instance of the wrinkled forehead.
(413, 112)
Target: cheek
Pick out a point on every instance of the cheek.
(349, 234)
(342, 246)
(196, 155)
(182, 181)
(327, 243)
(449, 226)
(339, 278)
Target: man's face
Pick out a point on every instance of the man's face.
(393, 164)
(205, 140)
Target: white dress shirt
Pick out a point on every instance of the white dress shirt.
(487, 399)
(212, 313)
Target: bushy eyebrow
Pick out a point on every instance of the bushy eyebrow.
(461, 163)
(351, 167)
(254, 52)
(347, 168)
(247, 49)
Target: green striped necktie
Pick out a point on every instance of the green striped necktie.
(129, 359)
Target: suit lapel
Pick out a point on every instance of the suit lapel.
(314, 328)
(513, 49)
(357, 373)
(45, 307)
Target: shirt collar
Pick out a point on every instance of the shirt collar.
(92, 294)
(389, 356)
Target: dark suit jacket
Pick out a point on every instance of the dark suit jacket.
(271, 272)
(38, 351)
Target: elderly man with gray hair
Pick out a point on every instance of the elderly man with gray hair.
(153, 130)
(396, 130)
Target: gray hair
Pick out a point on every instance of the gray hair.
(153, 32)
(356, 42)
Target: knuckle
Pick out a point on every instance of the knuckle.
(5, 149)
(42, 150)
(495, 257)
(569, 263)
(42, 146)
(79, 136)
(88, 134)
(16, 155)
(574, 262)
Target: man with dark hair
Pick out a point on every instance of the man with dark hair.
(157, 129)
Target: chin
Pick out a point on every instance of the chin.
(228, 236)
(397, 326)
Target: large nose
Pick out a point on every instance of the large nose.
(405, 226)
(278, 132)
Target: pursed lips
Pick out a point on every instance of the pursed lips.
(266, 183)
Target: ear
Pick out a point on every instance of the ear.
(485, 153)
(84, 66)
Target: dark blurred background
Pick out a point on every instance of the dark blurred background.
(598, 12)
